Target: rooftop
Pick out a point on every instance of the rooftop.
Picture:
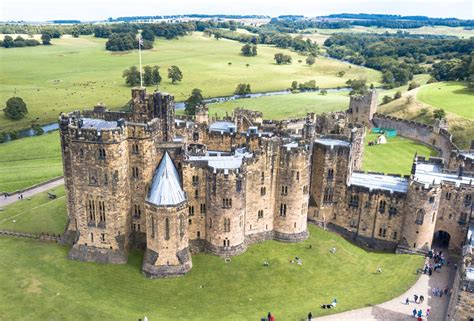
(222, 126)
(98, 123)
(332, 142)
(428, 173)
(166, 188)
(468, 155)
(220, 160)
(379, 182)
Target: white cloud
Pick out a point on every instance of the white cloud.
(101, 9)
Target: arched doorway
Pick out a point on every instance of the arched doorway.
(441, 239)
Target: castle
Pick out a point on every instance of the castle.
(180, 185)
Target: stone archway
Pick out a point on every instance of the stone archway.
(441, 239)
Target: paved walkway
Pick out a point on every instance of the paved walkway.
(396, 309)
(42, 188)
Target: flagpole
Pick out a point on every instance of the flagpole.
(140, 58)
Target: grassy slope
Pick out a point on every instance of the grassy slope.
(36, 215)
(77, 73)
(408, 107)
(285, 106)
(29, 161)
(395, 157)
(48, 286)
(452, 96)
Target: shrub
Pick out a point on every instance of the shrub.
(15, 109)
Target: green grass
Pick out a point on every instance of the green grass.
(395, 157)
(37, 214)
(29, 161)
(37, 282)
(459, 32)
(76, 73)
(452, 96)
(286, 106)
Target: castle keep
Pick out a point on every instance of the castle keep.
(176, 185)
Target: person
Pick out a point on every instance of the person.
(416, 298)
(407, 301)
(422, 298)
(272, 318)
(414, 312)
(446, 291)
(419, 319)
(428, 311)
(310, 316)
(21, 195)
(420, 313)
(269, 316)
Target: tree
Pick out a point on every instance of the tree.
(341, 73)
(246, 50)
(254, 50)
(387, 78)
(413, 85)
(155, 74)
(386, 99)
(175, 74)
(242, 89)
(282, 59)
(217, 35)
(148, 34)
(8, 42)
(294, 85)
(439, 114)
(46, 38)
(15, 109)
(397, 95)
(148, 76)
(323, 92)
(75, 33)
(132, 76)
(310, 60)
(194, 100)
(359, 86)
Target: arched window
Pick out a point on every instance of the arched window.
(420, 215)
(263, 190)
(167, 228)
(327, 198)
(382, 204)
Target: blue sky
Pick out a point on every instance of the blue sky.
(40, 10)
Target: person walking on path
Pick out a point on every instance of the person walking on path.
(416, 298)
(414, 312)
(420, 313)
(428, 313)
(422, 298)
(407, 301)
(310, 316)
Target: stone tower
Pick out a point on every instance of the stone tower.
(202, 114)
(167, 252)
(362, 108)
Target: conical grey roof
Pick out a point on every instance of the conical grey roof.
(165, 187)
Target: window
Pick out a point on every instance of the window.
(382, 231)
(382, 204)
(226, 224)
(263, 176)
(283, 210)
(91, 210)
(420, 215)
(135, 149)
(462, 218)
(195, 136)
(305, 189)
(467, 200)
(135, 173)
(167, 228)
(106, 180)
(263, 191)
(198, 234)
(153, 227)
(395, 235)
(101, 211)
(284, 190)
(226, 202)
(226, 243)
(238, 185)
(196, 194)
(138, 227)
(195, 180)
(327, 198)
(330, 174)
(297, 176)
(102, 153)
(432, 199)
(210, 222)
(92, 237)
(191, 210)
(93, 177)
(102, 237)
(260, 214)
(81, 153)
(448, 196)
(392, 210)
(354, 201)
(353, 223)
(137, 211)
(203, 208)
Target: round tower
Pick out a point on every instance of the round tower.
(166, 207)
(292, 194)
(421, 209)
(225, 217)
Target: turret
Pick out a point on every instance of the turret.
(362, 108)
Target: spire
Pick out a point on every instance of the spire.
(166, 188)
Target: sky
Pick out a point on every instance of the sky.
(85, 10)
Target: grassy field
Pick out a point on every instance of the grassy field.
(452, 96)
(432, 30)
(29, 161)
(39, 283)
(285, 106)
(37, 214)
(395, 157)
(76, 73)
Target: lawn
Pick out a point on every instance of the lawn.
(37, 214)
(37, 282)
(76, 73)
(286, 106)
(29, 161)
(395, 157)
(452, 96)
